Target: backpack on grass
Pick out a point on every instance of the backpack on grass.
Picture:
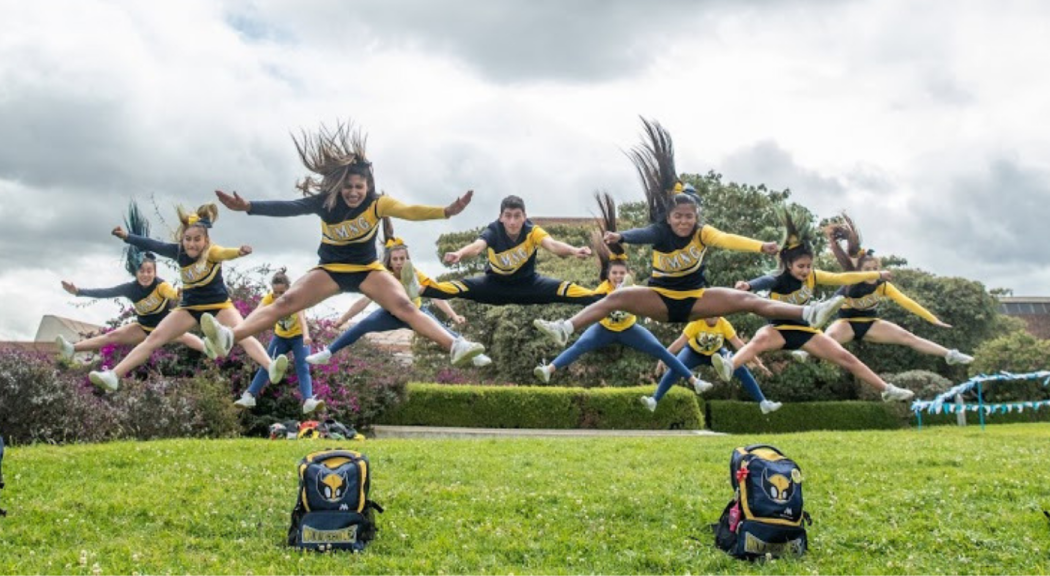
(332, 509)
(765, 515)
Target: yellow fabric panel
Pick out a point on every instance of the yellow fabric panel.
(199, 273)
(681, 262)
(711, 236)
(908, 304)
(156, 301)
(843, 278)
(337, 267)
(167, 291)
(362, 228)
(798, 328)
(219, 306)
(387, 206)
(510, 260)
(678, 294)
(287, 327)
(617, 321)
(219, 254)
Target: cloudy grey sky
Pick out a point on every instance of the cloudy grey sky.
(922, 119)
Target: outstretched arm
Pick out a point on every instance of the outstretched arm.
(387, 206)
(355, 309)
(559, 248)
(847, 278)
(912, 306)
(219, 254)
(758, 284)
(648, 235)
(712, 236)
(469, 251)
(447, 310)
(279, 208)
(95, 292)
(165, 249)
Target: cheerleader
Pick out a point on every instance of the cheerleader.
(345, 199)
(706, 338)
(291, 333)
(796, 283)
(395, 259)
(150, 296)
(203, 290)
(619, 327)
(859, 316)
(677, 291)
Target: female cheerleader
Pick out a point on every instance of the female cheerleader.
(618, 327)
(796, 284)
(203, 289)
(676, 290)
(350, 210)
(706, 338)
(149, 295)
(291, 333)
(859, 316)
(395, 260)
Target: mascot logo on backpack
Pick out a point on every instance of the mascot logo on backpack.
(332, 486)
(778, 487)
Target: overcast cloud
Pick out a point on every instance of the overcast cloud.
(923, 120)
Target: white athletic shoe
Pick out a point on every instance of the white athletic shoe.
(106, 380)
(463, 351)
(818, 314)
(767, 406)
(481, 361)
(410, 280)
(723, 367)
(246, 401)
(558, 330)
(65, 348)
(208, 350)
(221, 337)
(322, 357)
(952, 357)
(312, 403)
(277, 368)
(894, 393)
(701, 386)
(800, 355)
(543, 373)
(649, 402)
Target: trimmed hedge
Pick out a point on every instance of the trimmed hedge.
(474, 406)
(745, 417)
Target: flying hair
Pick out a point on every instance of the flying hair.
(797, 240)
(333, 155)
(606, 253)
(136, 224)
(654, 161)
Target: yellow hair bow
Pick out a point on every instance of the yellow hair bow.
(792, 242)
(192, 219)
(618, 256)
(394, 242)
(678, 187)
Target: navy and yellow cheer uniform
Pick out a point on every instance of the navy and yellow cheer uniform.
(348, 235)
(203, 289)
(678, 263)
(861, 308)
(510, 274)
(150, 302)
(786, 288)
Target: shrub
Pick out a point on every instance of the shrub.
(543, 407)
(924, 383)
(1018, 352)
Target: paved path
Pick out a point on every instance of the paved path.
(443, 432)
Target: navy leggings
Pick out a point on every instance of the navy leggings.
(378, 321)
(279, 346)
(692, 359)
(637, 337)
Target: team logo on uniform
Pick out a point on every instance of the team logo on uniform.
(332, 486)
(778, 487)
(709, 342)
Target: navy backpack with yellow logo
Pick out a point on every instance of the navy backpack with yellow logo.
(333, 511)
(765, 515)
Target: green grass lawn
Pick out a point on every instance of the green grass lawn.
(943, 500)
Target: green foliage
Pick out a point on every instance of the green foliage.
(1018, 352)
(924, 383)
(883, 502)
(543, 407)
(745, 417)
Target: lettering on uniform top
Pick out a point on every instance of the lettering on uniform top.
(680, 259)
(287, 322)
(315, 536)
(800, 296)
(348, 229)
(866, 302)
(196, 271)
(512, 258)
(149, 303)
